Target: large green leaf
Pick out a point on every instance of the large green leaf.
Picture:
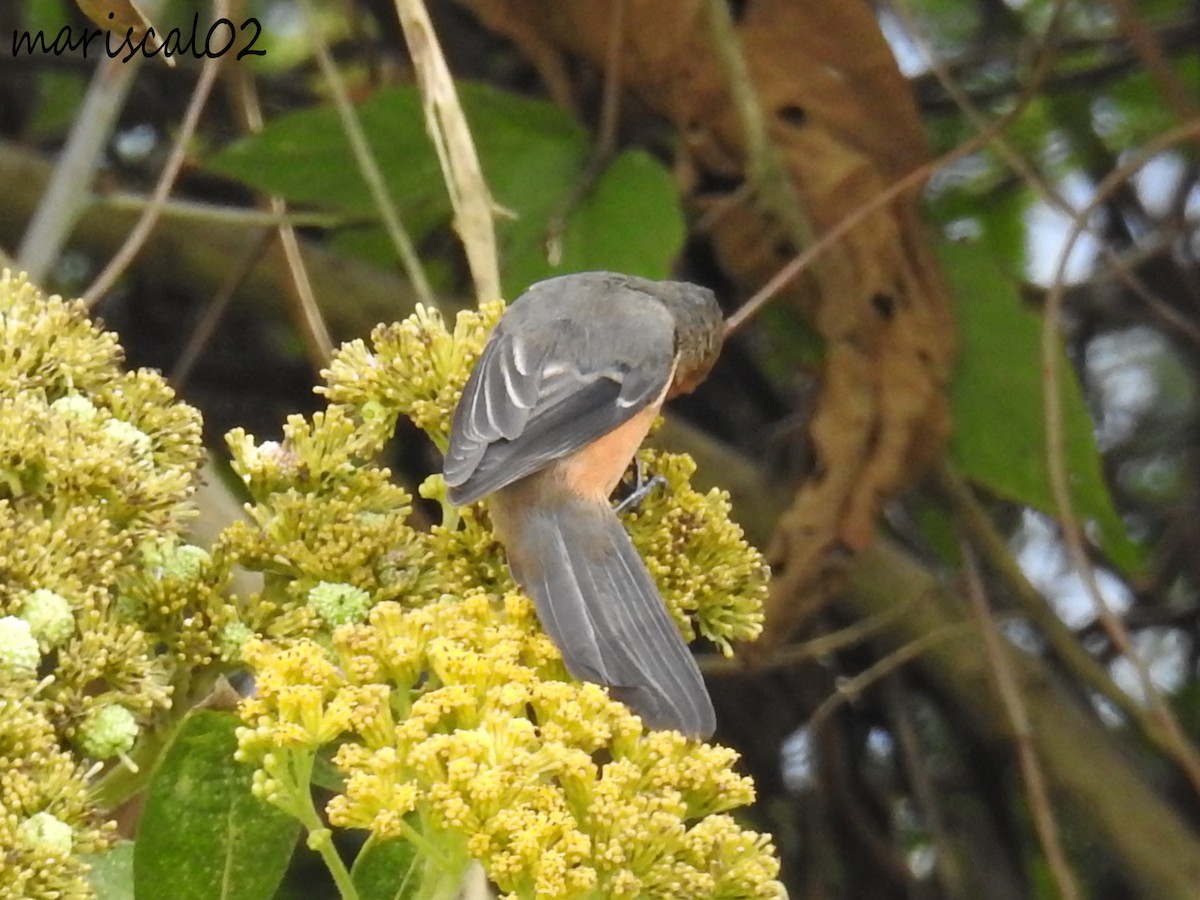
(203, 835)
(304, 156)
(387, 870)
(999, 414)
(628, 222)
(533, 155)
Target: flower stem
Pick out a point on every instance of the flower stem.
(440, 882)
(297, 782)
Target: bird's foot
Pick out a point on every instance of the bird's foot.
(641, 487)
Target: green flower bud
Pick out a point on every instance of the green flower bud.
(74, 406)
(433, 488)
(374, 411)
(129, 435)
(233, 637)
(339, 604)
(172, 561)
(19, 653)
(48, 833)
(50, 617)
(108, 731)
(187, 563)
(130, 609)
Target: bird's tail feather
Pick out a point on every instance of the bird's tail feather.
(599, 604)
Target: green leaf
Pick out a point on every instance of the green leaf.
(939, 529)
(304, 157)
(629, 221)
(999, 416)
(111, 875)
(387, 870)
(1135, 111)
(533, 155)
(325, 774)
(203, 835)
(998, 211)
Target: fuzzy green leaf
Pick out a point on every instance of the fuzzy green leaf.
(203, 835)
(387, 870)
(629, 221)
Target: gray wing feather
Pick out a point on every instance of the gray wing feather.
(496, 404)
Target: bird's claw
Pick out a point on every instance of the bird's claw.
(641, 487)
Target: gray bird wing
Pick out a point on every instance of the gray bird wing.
(562, 368)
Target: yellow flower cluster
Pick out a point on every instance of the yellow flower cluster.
(417, 368)
(713, 581)
(321, 516)
(456, 723)
(467, 737)
(97, 618)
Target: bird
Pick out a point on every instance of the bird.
(566, 388)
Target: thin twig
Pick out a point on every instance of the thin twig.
(368, 166)
(67, 193)
(217, 214)
(851, 688)
(320, 344)
(451, 135)
(311, 320)
(129, 250)
(1018, 716)
(1181, 750)
(1122, 270)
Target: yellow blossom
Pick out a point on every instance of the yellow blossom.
(416, 367)
(712, 580)
(516, 785)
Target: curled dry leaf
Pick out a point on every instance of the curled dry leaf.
(844, 124)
